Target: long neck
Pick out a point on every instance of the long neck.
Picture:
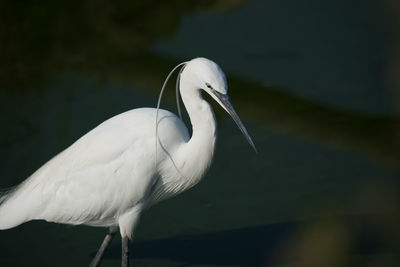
(199, 151)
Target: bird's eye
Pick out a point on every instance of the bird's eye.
(209, 86)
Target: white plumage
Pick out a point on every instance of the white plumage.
(111, 174)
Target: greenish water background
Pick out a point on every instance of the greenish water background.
(315, 83)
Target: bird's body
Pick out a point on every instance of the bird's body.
(100, 190)
(118, 169)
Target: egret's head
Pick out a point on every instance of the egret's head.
(205, 74)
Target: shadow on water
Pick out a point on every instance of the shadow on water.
(251, 246)
(334, 241)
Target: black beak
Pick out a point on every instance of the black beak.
(227, 105)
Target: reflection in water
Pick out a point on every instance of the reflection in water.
(333, 53)
(68, 66)
(38, 37)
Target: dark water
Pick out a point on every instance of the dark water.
(316, 85)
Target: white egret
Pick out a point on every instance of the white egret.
(126, 164)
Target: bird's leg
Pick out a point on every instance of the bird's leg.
(125, 252)
(106, 242)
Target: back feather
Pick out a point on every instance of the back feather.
(5, 195)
